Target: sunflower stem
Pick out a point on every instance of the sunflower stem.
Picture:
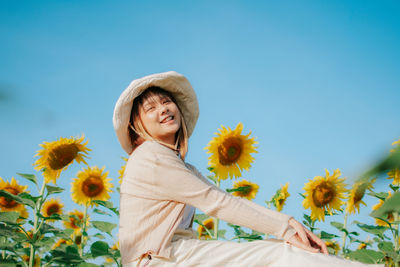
(216, 224)
(38, 206)
(344, 232)
(83, 229)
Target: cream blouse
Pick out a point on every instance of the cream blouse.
(155, 188)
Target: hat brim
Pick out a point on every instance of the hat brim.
(171, 81)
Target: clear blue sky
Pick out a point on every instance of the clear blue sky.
(317, 82)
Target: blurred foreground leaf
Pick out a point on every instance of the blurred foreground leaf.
(390, 205)
(391, 162)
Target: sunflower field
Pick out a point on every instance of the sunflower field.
(37, 231)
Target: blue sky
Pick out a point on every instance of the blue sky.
(317, 82)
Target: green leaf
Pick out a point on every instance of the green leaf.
(66, 255)
(386, 247)
(380, 195)
(392, 161)
(394, 188)
(372, 229)
(327, 236)
(18, 199)
(28, 199)
(104, 226)
(9, 216)
(390, 205)
(53, 189)
(338, 225)
(30, 177)
(100, 248)
(366, 256)
(308, 218)
(95, 210)
(107, 204)
(99, 236)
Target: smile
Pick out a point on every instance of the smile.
(167, 119)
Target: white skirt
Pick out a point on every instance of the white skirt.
(189, 252)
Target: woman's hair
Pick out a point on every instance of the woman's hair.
(136, 127)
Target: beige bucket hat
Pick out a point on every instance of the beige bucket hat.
(171, 81)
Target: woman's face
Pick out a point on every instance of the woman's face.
(161, 118)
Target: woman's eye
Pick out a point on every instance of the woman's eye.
(149, 108)
(166, 101)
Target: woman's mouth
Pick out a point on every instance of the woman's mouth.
(167, 119)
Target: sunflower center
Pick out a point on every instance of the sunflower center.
(245, 190)
(62, 155)
(323, 194)
(52, 209)
(230, 150)
(92, 186)
(7, 202)
(359, 193)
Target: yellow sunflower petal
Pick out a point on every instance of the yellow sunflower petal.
(58, 155)
(122, 170)
(231, 152)
(92, 184)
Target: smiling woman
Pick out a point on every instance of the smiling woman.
(153, 119)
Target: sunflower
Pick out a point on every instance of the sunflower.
(280, 197)
(356, 195)
(75, 221)
(7, 204)
(60, 242)
(122, 170)
(92, 184)
(324, 194)
(56, 156)
(389, 217)
(333, 247)
(230, 152)
(52, 206)
(209, 224)
(245, 189)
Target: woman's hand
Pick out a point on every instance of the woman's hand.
(305, 239)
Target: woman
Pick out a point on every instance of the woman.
(153, 119)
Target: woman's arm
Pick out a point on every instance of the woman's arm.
(296, 235)
(172, 180)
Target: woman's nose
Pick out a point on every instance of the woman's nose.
(163, 109)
